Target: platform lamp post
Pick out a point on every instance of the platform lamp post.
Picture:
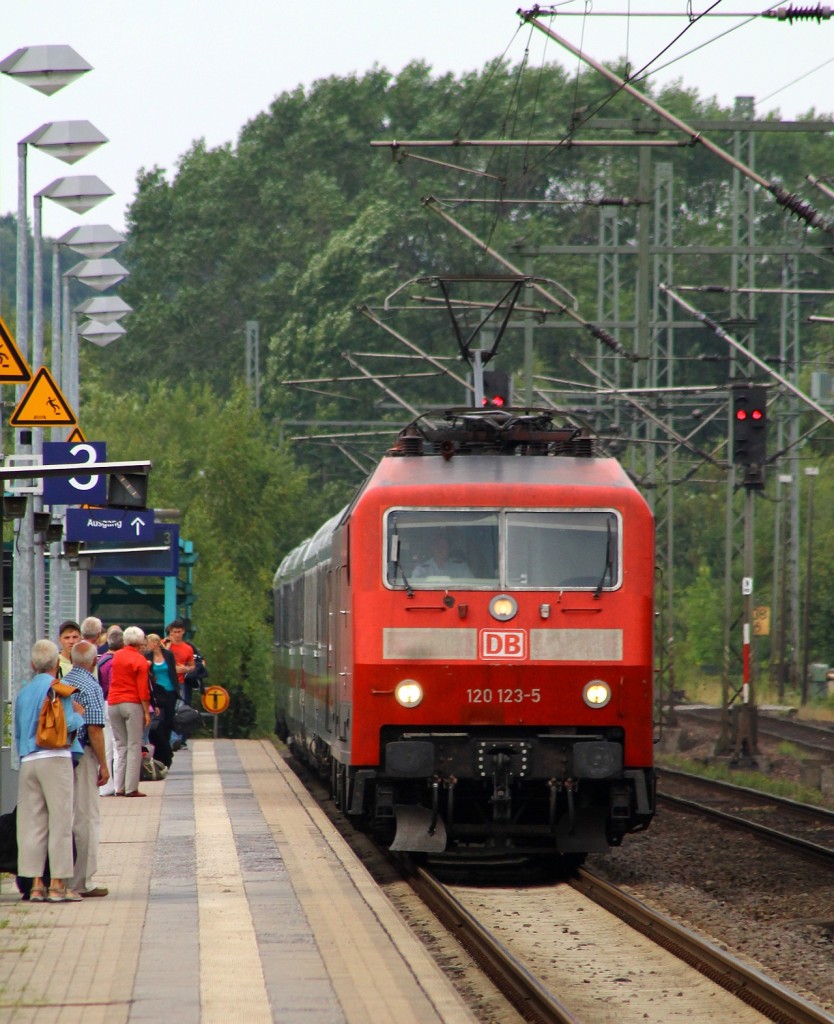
(101, 330)
(92, 241)
(47, 69)
(78, 193)
(68, 141)
(99, 275)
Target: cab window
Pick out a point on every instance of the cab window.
(534, 549)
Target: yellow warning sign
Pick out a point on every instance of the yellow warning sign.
(13, 367)
(76, 436)
(215, 700)
(43, 405)
(761, 620)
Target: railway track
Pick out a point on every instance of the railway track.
(800, 828)
(596, 968)
(492, 924)
(816, 739)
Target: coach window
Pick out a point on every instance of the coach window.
(574, 550)
(429, 549)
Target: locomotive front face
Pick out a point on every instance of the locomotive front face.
(502, 654)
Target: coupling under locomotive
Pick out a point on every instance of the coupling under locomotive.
(467, 647)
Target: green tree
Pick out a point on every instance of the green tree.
(242, 501)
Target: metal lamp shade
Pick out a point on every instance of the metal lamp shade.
(98, 274)
(45, 68)
(79, 192)
(92, 240)
(66, 140)
(101, 334)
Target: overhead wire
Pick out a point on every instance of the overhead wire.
(577, 123)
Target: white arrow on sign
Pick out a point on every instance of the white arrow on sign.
(137, 524)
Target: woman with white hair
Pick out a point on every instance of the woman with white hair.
(129, 699)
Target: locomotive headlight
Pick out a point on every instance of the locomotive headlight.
(409, 693)
(596, 694)
(503, 607)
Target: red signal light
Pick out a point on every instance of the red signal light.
(741, 414)
(756, 414)
(497, 389)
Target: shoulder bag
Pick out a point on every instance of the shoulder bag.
(52, 724)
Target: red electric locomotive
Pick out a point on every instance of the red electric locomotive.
(467, 647)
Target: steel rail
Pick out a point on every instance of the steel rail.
(746, 983)
(526, 993)
(822, 814)
(798, 846)
(795, 844)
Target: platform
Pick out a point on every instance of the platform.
(232, 898)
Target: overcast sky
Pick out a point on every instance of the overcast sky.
(167, 72)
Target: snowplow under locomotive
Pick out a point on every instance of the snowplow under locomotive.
(467, 647)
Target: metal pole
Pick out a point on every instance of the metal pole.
(65, 329)
(253, 372)
(24, 592)
(784, 675)
(39, 583)
(811, 472)
(56, 314)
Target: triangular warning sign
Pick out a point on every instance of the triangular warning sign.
(43, 405)
(13, 367)
(76, 436)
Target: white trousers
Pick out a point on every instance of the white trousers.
(109, 755)
(85, 822)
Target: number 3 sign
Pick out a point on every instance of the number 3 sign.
(84, 489)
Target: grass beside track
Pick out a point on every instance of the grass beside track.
(759, 780)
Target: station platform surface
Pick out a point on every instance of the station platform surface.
(232, 898)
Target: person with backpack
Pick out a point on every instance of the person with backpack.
(45, 788)
(185, 656)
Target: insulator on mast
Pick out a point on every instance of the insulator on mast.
(817, 13)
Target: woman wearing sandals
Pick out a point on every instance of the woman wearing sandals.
(44, 808)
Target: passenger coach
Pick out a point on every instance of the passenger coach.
(466, 648)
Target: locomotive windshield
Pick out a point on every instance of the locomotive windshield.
(534, 549)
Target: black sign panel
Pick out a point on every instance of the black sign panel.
(142, 562)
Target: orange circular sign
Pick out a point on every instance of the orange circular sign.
(215, 700)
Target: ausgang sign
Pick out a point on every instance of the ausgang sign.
(108, 524)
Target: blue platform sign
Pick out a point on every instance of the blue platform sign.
(110, 524)
(84, 489)
(165, 562)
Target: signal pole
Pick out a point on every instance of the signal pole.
(748, 449)
(746, 744)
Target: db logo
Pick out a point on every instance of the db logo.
(503, 643)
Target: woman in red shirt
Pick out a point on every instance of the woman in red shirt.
(129, 698)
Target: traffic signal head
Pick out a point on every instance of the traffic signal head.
(749, 428)
(498, 389)
(127, 490)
